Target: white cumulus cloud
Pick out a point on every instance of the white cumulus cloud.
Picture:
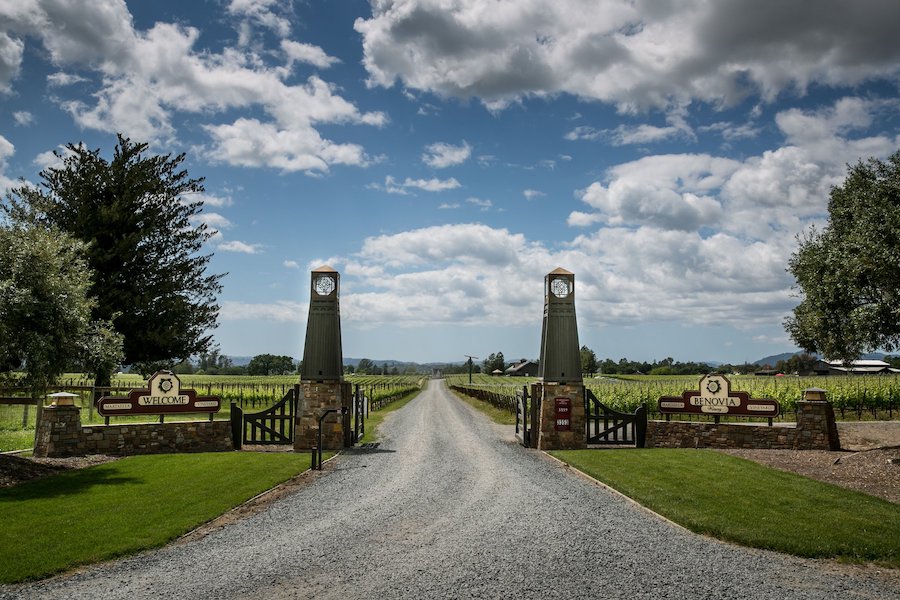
(142, 79)
(635, 55)
(240, 247)
(307, 53)
(392, 186)
(440, 155)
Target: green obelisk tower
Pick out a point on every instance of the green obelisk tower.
(322, 385)
(561, 387)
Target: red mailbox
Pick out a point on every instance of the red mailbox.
(563, 413)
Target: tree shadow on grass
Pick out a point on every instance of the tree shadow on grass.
(65, 484)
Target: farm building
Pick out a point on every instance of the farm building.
(857, 367)
(523, 368)
(768, 372)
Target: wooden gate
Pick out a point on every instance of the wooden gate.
(523, 427)
(528, 414)
(608, 426)
(275, 425)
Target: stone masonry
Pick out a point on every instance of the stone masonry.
(815, 430)
(551, 439)
(60, 434)
(315, 398)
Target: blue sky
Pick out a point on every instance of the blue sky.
(445, 156)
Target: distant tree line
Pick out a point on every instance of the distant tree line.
(591, 366)
(214, 363)
(366, 366)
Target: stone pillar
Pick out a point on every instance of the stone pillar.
(554, 433)
(315, 398)
(58, 432)
(816, 427)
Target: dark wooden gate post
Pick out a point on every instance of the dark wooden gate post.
(237, 426)
(640, 426)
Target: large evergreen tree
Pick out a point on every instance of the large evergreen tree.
(135, 215)
(849, 273)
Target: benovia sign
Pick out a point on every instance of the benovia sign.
(163, 396)
(715, 397)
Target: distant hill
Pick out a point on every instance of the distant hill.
(772, 360)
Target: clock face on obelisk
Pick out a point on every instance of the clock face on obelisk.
(560, 288)
(324, 285)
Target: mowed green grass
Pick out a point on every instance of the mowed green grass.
(741, 501)
(497, 415)
(118, 508)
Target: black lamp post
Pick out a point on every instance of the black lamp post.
(317, 451)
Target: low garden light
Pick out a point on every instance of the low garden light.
(814, 394)
(62, 399)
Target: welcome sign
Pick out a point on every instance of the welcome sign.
(716, 398)
(162, 396)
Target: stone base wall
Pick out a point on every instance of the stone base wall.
(815, 430)
(816, 427)
(60, 434)
(315, 398)
(548, 437)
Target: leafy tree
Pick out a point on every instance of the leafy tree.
(366, 367)
(185, 367)
(849, 273)
(588, 361)
(212, 362)
(142, 242)
(148, 367)
(101, 352)
(798, 363)
(609, 367)
(494, 362)
(894, 361)
(269, 364)
(45, 308)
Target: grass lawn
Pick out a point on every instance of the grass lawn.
(118, 508)
(377, 416)
(497, 415)
(741, 501)
(21, 439)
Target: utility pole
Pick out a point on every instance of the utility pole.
(470, 363)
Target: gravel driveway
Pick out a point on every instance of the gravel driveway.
(448, 506)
